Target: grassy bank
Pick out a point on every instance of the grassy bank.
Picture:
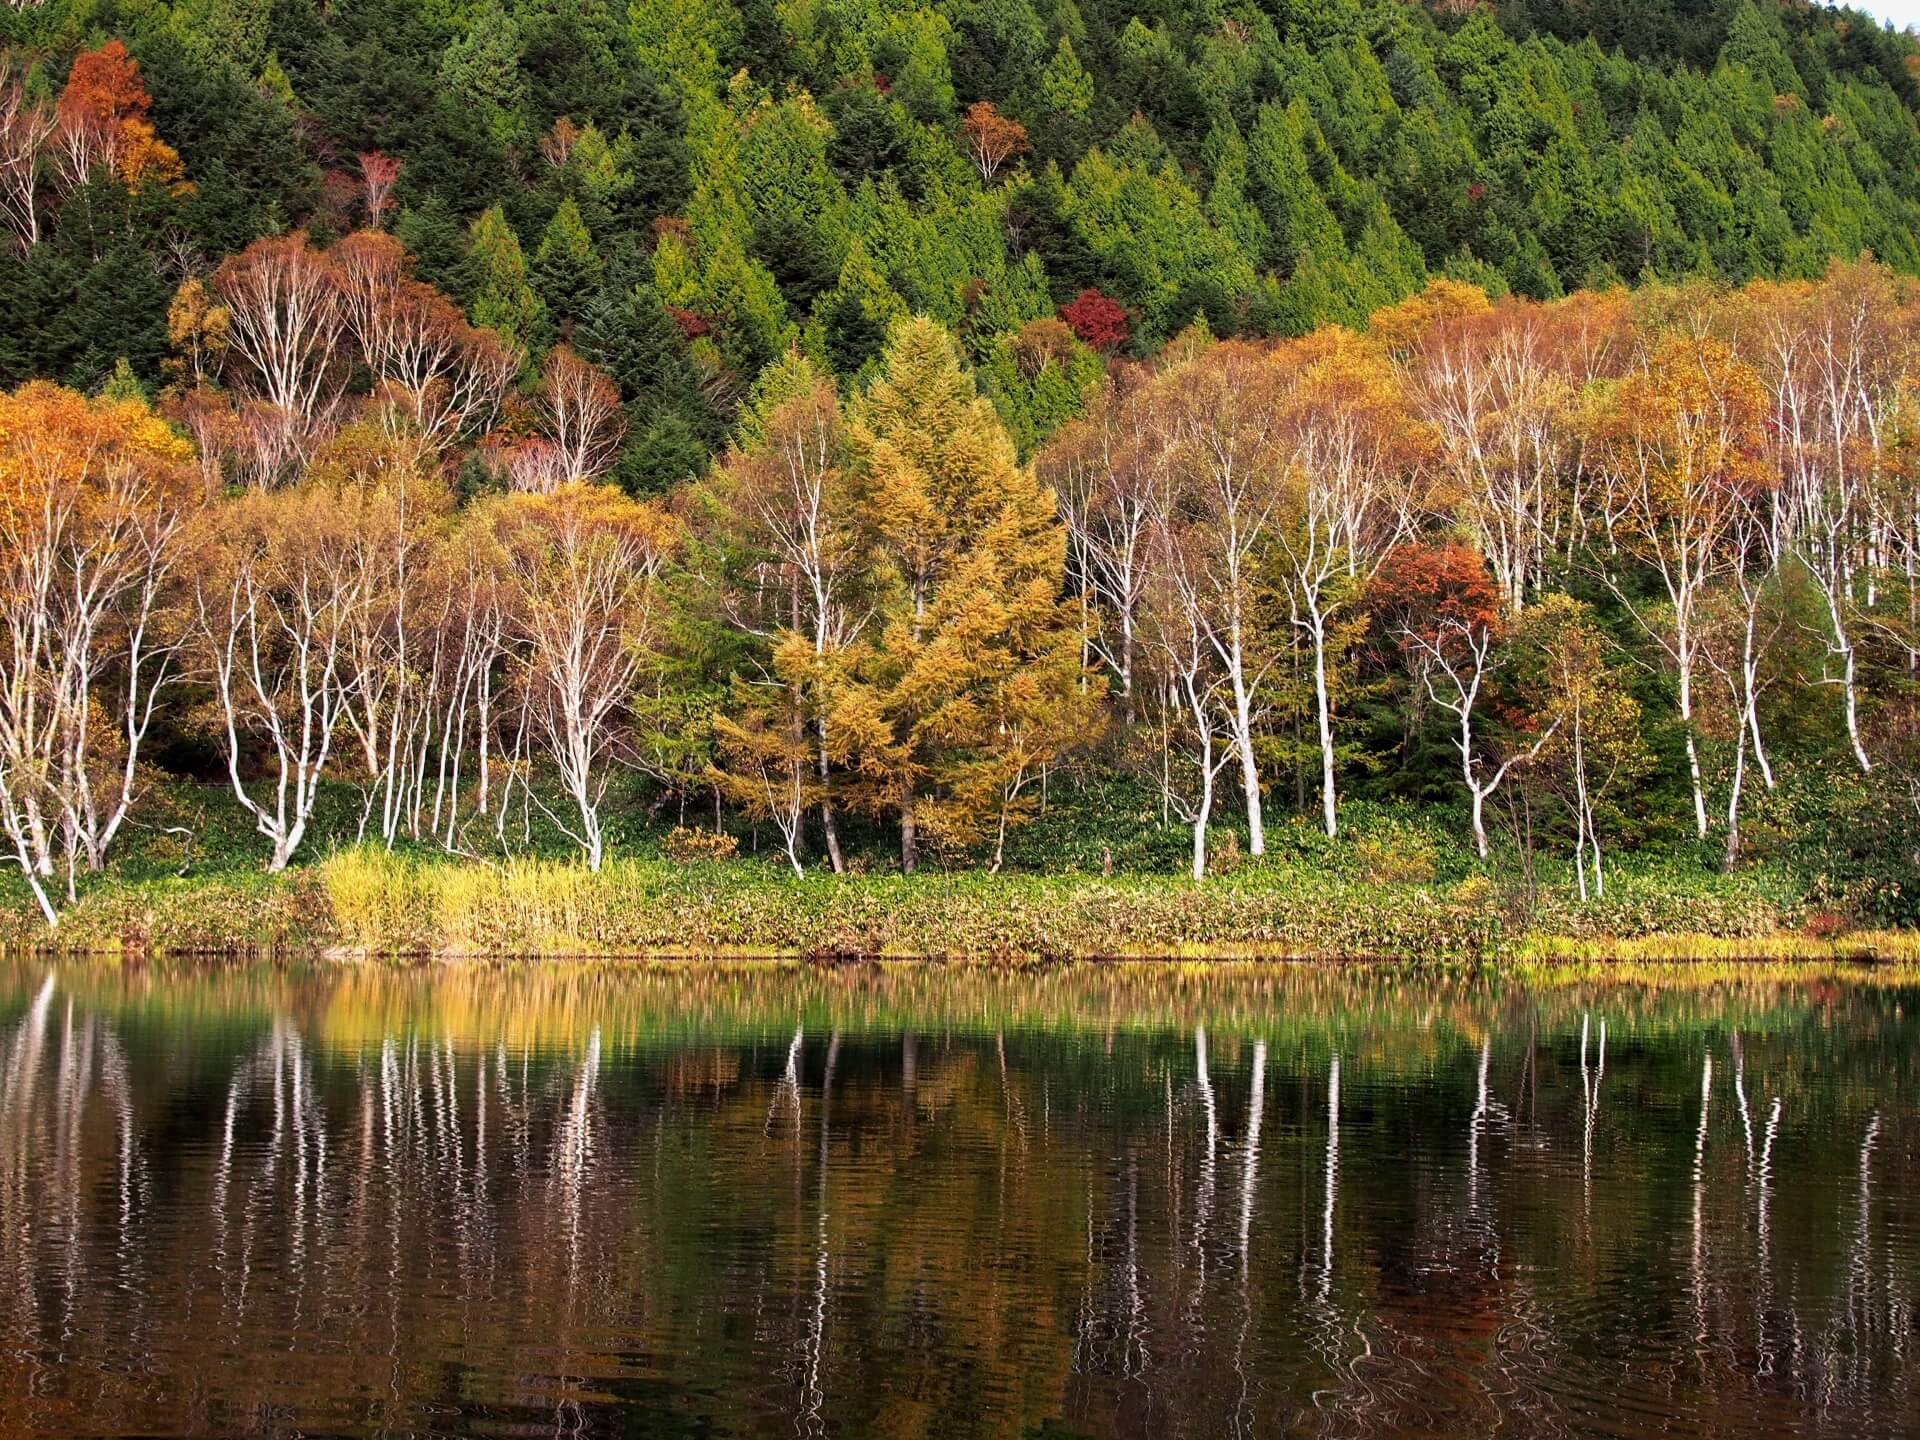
(368, 902)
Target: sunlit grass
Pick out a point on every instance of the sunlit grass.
(366, 901)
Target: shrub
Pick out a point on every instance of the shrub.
(688, 846)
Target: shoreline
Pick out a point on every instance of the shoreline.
(1867, 949)
(358, 906)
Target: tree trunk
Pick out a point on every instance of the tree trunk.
(1243, 743)
(1733, 801)
(1466, 773)
(1201, 816)
(1853, 716)
(909, 852)
(1324, 708)
(827, 821)
(1693, 751)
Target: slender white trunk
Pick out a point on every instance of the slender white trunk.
(1324, 710)
(1733, 800)
(1842, 645)
(1584, 813)
(1752, 700)
(1243, 743)
(1853, 714)
(1685, 652)
(1204, 811)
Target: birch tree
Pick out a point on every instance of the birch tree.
(1099, 467)
(581, 567)
(94, 501)
(1353, 455)
(796, 561)
(1219, 422)
(1447, 617)
(1499, 409)
(1679, 444)
(277, 601)
(1579, 698)
(285, 320)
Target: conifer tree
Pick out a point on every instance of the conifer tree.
(971, 680)
(502, 298)
(566, 268)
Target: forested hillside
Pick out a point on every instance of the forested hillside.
(1014, 433)
(681, 189)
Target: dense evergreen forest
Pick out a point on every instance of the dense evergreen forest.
(888, 423)
(681, 189)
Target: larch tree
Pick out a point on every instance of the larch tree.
(959, 687)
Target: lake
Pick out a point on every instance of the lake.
(1133, 1200)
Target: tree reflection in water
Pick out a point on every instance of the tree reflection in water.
(1090, 1201)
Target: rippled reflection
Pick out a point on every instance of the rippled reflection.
(1089, 1201)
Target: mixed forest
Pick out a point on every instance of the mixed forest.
(999, 434)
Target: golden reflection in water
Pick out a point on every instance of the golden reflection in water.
(892, 1201)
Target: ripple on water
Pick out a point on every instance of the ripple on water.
(1086, 1202)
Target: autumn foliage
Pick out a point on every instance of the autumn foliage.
(1530, 533)
(1095, 319)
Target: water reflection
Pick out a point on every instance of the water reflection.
(1130, 1201)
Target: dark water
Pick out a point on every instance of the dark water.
(1141, 1201)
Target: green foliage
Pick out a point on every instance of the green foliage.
(503, 300)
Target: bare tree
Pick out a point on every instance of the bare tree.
(27, 126)
(580, 567)
(286, 319)
(277, 603)
(579, 410)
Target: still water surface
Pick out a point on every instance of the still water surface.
(1153, 1201)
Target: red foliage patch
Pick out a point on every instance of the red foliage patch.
(1096, 320)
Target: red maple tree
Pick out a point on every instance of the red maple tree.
(1097, 320)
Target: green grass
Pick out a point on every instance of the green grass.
(367, 901)
(1396, 884)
